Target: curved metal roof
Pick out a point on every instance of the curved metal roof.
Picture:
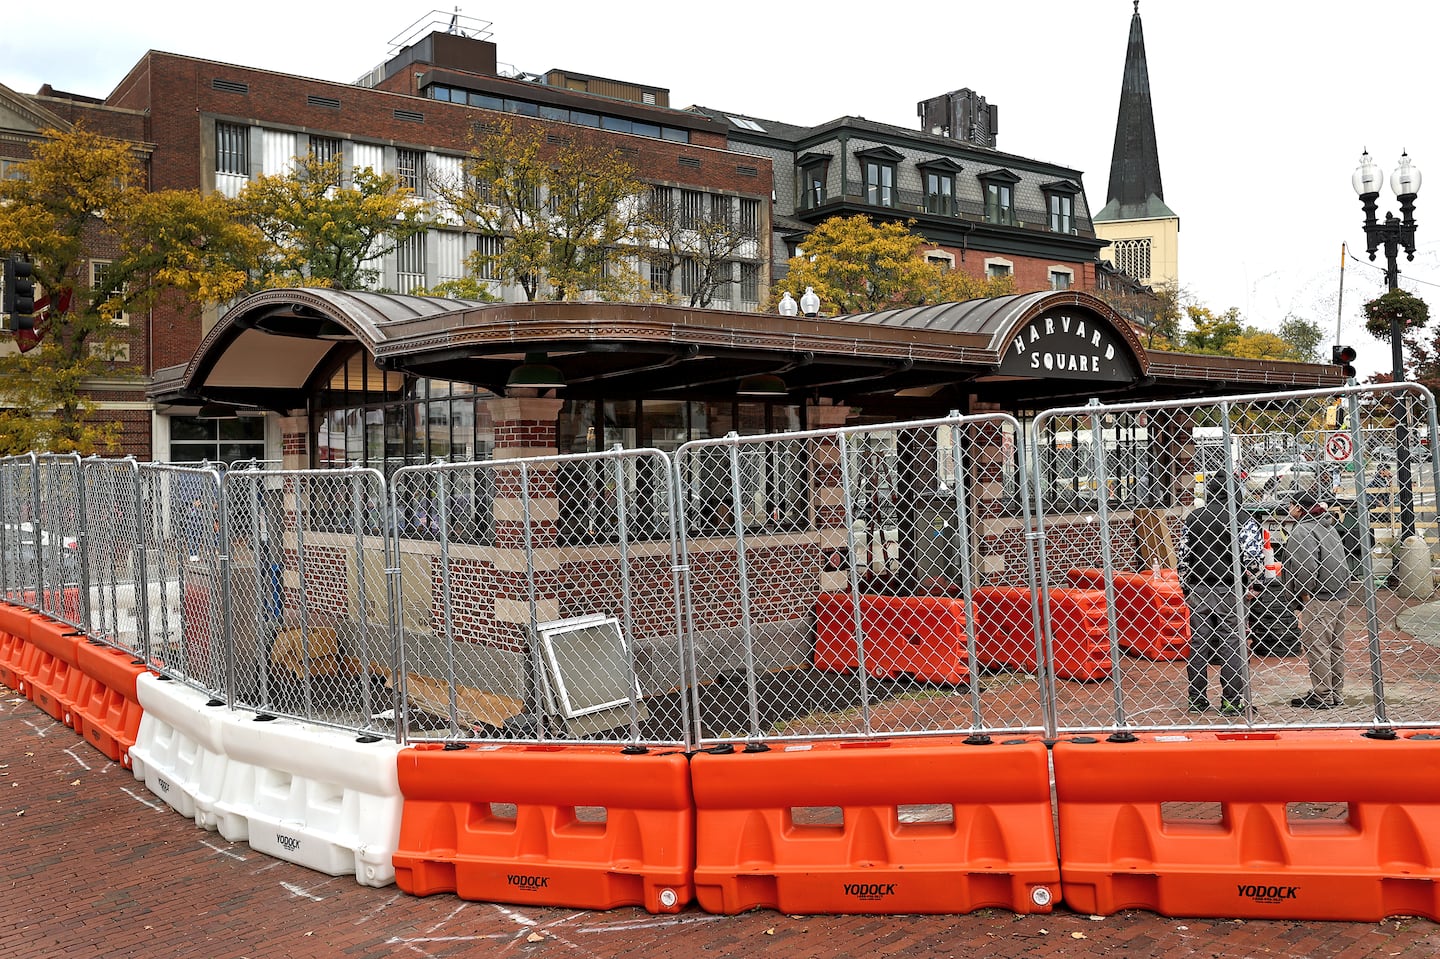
(271, 349)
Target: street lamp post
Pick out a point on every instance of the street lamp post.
(1393, 234)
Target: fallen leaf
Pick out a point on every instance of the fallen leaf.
(74, 782)
(20, 813)
(534, 937)
(1077, 935)
(770, 931)
(1044, 932)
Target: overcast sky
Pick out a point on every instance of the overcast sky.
(1261, 109)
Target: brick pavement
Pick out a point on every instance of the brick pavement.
(96, 866)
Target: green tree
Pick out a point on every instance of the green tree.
(857, 266)
(563, 214)
(79, 192)
(324, 232)
(1304, 338)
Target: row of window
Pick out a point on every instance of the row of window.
(584, 118)
(878, 188)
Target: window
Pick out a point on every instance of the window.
(997, 269)
(720, 209)
(410, 168)
(232, 149)
(487, 254)
(410, 264)
(999, 207)
(325, 149)
(999, 187)
(750, 216)
(225, 441)
(750, 284)
(940, 193)
(692, 208)
(879, 183)
(814, 169)
(945, 261)
(690, 276)
(1132, 257)
(660, 271)
(1062, 213)
(97, 277)
(662, 203)
(1061, 279)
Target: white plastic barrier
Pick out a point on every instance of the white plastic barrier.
(315, 796)
(178, 752)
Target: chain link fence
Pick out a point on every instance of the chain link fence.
(1263, 561)
(114, 555)
(19, 512)
(861, 581)
(540, 599)
(183, 531)
(310, 615)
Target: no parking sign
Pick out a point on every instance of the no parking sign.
(1339, 447)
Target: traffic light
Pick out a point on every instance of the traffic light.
(20, 293)
(1344, 357)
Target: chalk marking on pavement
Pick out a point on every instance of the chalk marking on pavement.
(76, 756)
(40, 731)
(453, 913)
(224, 852)
(295, 890)
(379, 909)
(140, 799)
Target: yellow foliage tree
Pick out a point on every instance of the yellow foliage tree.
(80, 192)
(323, 232)
(856, 265)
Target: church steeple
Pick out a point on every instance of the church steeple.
(1135, 189)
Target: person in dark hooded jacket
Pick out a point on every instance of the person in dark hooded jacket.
(1317, 574)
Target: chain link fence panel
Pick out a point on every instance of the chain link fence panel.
(19, 512)
(114, 554)
(311, 626)
(539, 599)
(1263, 560)
(58, 539)
(182, 529)
(864, 581)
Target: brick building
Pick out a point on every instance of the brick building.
(197, 124)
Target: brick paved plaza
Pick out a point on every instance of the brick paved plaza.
(97, 866)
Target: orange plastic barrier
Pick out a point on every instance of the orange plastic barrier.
(1005, 631)
(14, 643)
(68, 599)
(922, 636)
(885, 827)
(104, 705)
(1151, 617)
(47, 665)
(1320, 824)
(580, 826)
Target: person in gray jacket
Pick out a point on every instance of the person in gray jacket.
(1317, 573)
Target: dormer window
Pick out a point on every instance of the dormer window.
(878, 165)
(939, 178)
(1060, 205)
(999, 189)
(814, 169)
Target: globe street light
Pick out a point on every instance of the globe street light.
(1393, 234)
